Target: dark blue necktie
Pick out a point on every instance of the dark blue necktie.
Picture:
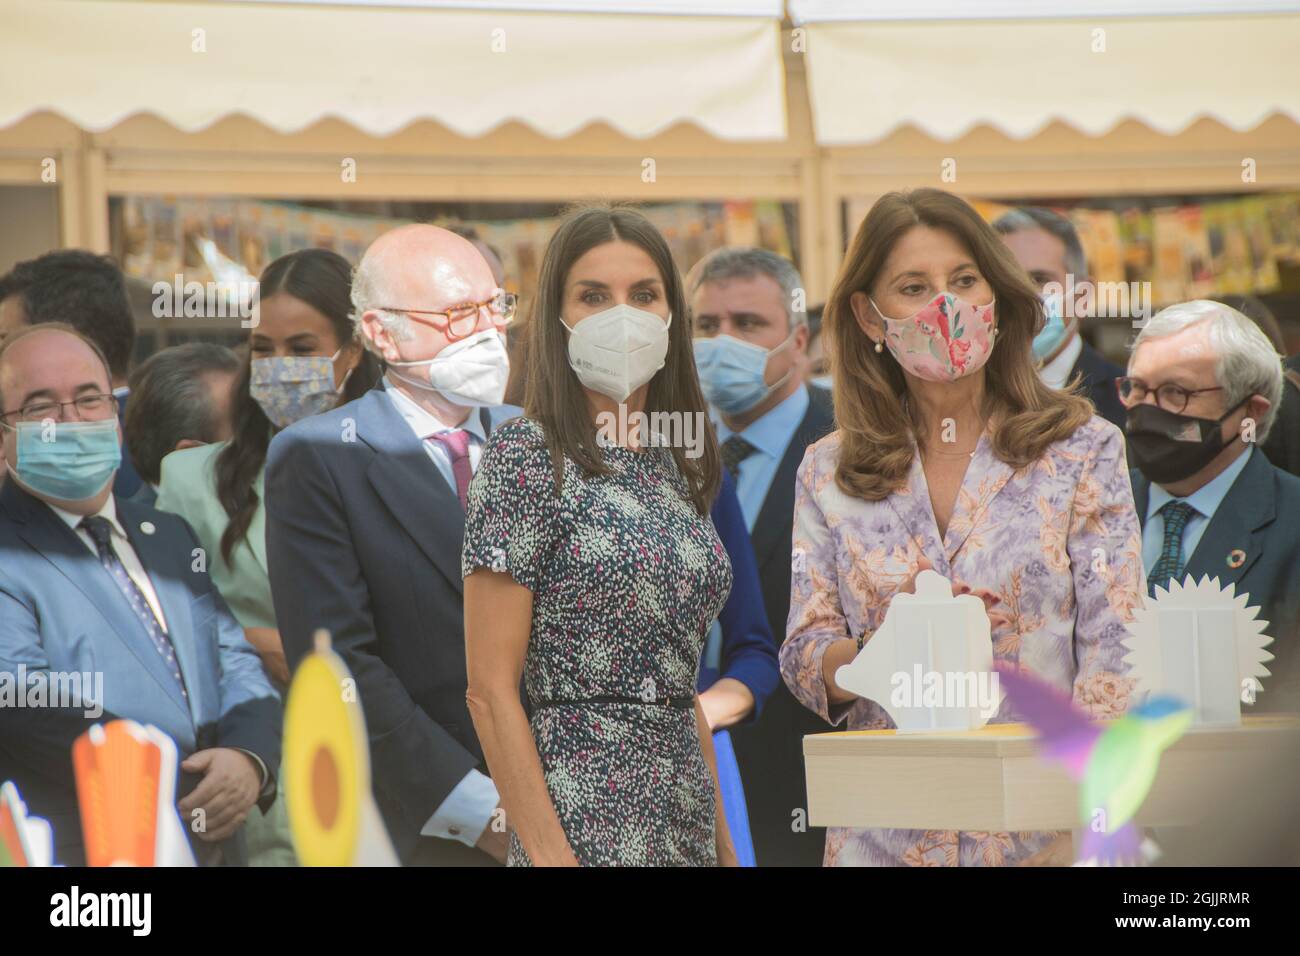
(101, 532)
(1170, 563)
(735, 450)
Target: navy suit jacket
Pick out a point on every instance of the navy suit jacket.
(770, 750)
(1260, 515)
(1098, 379)
(748, 649)
(128, 481)
(363, 538)
(62, 613)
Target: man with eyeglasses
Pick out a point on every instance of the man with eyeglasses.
(1202, 389)
(96, 585)
(365, 520)
(89, 293)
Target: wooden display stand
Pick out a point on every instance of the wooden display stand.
(992, 779)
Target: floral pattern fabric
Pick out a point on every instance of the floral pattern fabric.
(945, 340)
(626, 578)
(1058, 542)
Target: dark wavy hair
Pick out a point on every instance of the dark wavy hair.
(553, 395)
(323, 280)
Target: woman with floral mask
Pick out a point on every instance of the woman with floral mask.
(302, 360)
(953, 455)
(593, 570)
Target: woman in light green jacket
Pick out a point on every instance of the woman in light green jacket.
(304, 358)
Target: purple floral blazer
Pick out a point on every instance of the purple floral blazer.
(1058, 541)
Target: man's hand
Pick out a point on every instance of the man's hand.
(495, 842)
(229, 788)
(727, 702)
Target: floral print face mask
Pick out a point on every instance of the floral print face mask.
(946, 340)
(293, 387)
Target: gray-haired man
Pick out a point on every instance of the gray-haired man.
(751, 329)
(1203, 388)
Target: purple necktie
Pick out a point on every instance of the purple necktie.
(101, 532)
(456, 442)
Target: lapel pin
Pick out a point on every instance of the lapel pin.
(147, 527)
(1236, 558)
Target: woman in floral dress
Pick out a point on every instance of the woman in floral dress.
(952, 454)
(593, 570)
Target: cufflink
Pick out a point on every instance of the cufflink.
(1236, 558)
(147, 527)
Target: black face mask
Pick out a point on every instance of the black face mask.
(1168, 447)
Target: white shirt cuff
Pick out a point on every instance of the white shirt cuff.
(466, 812)
(261, 768)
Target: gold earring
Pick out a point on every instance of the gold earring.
(880, 346)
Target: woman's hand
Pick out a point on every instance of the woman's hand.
(1060, 852)
(726, 851)
(266, 641)
(843, 652)
(727, 702)
(991, 602)
(959, 587)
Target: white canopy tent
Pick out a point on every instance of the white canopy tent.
(946, 67)
(470, 66)
(556, 100)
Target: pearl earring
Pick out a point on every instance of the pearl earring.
(880, 346)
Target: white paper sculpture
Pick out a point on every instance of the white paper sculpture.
(1199, 642)
(24, 840)
(930, 665)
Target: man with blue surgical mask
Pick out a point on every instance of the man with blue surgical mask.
(101, 586)
(751, 338)
(1047, 246)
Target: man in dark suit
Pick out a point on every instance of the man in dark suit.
(1203, 388)
(365, 519)
(751, 337)
(1047, 246)
(96, 590)
(88, 292)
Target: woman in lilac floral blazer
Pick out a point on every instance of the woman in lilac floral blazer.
(952, 454)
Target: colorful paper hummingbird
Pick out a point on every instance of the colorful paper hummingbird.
(1114, 763)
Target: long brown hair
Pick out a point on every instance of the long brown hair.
(877, 433)
(555, 398)
(322, 279)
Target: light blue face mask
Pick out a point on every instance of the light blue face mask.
(67, 461)
(731, 372)
(1053, 333)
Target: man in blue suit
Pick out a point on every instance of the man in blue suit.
(115, 592)
(365, 520)
(1202, 390)
(767, 416)
(88, 292)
